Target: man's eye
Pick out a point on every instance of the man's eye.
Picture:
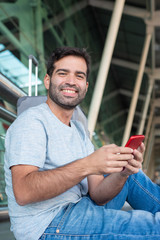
(80, 76)
(62, 73)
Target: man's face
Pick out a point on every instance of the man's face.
(68, 84)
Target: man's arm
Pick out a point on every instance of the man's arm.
(102, 190)
(31, 185)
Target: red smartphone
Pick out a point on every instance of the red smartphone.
(134, 141)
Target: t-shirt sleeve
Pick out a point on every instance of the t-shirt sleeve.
(26, 141)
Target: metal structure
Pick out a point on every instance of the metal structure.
(123, 38)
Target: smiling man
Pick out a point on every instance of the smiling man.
(55, 180)
(67, 84)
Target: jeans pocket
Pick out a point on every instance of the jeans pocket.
(57, 223)
(64, 215)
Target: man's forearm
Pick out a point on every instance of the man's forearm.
(42, 185)
(108, 188)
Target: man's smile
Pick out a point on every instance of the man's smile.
(68, 91)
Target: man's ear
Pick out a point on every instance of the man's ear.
(87, 85)
(47, 81)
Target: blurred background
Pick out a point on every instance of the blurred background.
(123, 39)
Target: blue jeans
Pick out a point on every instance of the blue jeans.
(85, 220)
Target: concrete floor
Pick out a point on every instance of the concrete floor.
(5, 233)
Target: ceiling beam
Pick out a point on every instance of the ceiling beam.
(157, 102)
(128, 10)
(157, 133)
(62, 16)
(116, 115)
(110, 95)
(156, 73)
(130, 65)
(122, 92)
(156, 120)
(130, 94)
(155, 20)
(112, 118)
(6, 32)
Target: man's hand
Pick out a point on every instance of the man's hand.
(134, 164)
(120, 162)
(109, 159)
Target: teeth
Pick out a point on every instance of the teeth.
(69, 91)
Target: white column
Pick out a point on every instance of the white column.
(136, 88)
(150, 146)
(146, 105)
(149, 123)
(104, 66)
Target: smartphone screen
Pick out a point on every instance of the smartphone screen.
(134, 141)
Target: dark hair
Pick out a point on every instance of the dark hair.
(61, 52)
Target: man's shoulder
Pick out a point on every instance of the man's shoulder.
(29, 116)
(35, 112)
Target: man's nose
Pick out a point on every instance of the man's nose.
(71, 78)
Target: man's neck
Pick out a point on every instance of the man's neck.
(64, 115)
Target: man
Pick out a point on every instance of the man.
(51, 166)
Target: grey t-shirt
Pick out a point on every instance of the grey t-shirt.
(37, 137)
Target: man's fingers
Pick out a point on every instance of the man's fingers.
(132, 169)
(121, 157)
(117, 164)
(115, 170)
(138, 156)
(134, 163)
(115, 149)
(141, 148)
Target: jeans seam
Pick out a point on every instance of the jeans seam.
(145, 190)
(62, 220)
(103, 234)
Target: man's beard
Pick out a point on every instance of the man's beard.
(66, 102)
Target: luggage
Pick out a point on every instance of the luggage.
(34, 60)
(30, 101)
(25, 102)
